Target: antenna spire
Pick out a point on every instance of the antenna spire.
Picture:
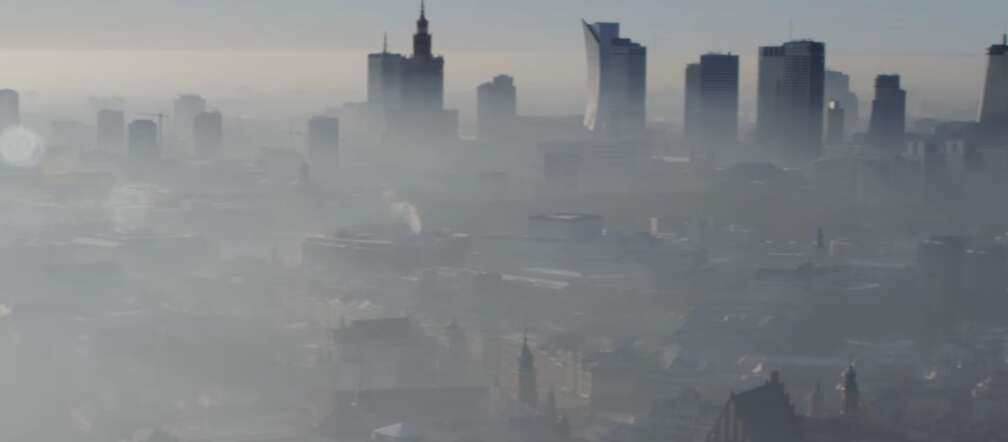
(790, 29)
(385, 43)
(423, 9)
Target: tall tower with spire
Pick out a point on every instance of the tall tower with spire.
(850, 393)
(422, 38)
(528, 393)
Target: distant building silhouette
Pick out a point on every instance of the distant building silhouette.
(187, 107)
(323, 139)
(762, 414)
(850, 393)
(496, 107)
(712, 95)
(835, 122)
(791, 97)
(208, 133)
(409, 98)
(888, 119)
(692, 116)
(617, 82)
(837, 88)
(111, 127)
(143, 140)
(384, 94)
(528, 389)
(994, 105)
(10, 109)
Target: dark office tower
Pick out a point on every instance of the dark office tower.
(791, 91)
(769, 94)
(496, 108)
(111, 130)
(888, 118)
(10, 109)
(835, 122)
(838, 88)
(617, 82)
(994, 107)
(143, 140)
(187, 107)
(692, 116)
(208, 133)
(719, 103)
(323, 139)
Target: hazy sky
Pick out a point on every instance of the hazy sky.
(316, 48)
(872, 26)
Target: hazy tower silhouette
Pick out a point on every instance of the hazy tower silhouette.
(208, 133)
(617, 82)
(994, 104)
(527, 385)
(111, 128)
(791, 97)
(496, 107)
(10, 109)
(143, 140)
(888, 118)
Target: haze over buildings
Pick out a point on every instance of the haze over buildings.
(298, 238)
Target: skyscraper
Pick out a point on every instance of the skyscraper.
(323, 139)
(384, 92)
(838, 88)
(994, 105)
(208, 133)
(617, 82)
(111, 130)
(719, 104)
(10, 109)
(143, 140)
(496, 107)
(420, 114)
(888, 118)
(791, 94)
(187, 107)
(769, 94)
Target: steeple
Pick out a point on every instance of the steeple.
(422, 38)
(527, 388)
(850, 393)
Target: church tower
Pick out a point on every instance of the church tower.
(850, 393)
(527, 388)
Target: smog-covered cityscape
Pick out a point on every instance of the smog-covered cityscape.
(520, 221)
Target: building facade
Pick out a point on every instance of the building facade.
(496, 108)
(994, 104)
(888, 118)
(208, 133)
(143, 140)
(791, 98)
(323, 139)
(10, 109)
(111, 127)
(712, 94)
(617, 82)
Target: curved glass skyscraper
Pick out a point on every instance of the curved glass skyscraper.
(617, 81)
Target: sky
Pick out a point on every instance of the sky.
(316, 47)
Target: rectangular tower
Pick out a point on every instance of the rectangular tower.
(496, 108)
